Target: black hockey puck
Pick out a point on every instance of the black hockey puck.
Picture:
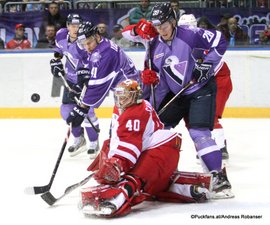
(35, 97)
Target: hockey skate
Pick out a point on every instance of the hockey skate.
(221, 185)
(93, 149)
(78, 146)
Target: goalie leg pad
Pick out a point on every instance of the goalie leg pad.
(194, 178)
(188, 187)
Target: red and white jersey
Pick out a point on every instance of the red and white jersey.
(137, 129)
(18, 44)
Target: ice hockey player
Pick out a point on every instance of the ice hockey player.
(138, 162)
(174, 57)
(66, 45)
(104, 67)
(223, 81)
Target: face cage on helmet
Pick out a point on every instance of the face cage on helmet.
(124, 98)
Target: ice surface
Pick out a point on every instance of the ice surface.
(29, 150)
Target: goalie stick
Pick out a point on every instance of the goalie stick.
(41, 189)
(78, 101)
(51, 200)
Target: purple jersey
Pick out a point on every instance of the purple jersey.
(176, 61)
(73, 52)
(109, 65)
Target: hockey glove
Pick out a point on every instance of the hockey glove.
(83, 75)
(57, 67)
(201, 72)
(75, 92)
(149, 77)
(145, 29)
(110, 171)
(77, 115)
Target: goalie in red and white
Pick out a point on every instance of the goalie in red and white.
(139, 161)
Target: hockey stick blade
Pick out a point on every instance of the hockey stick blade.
(37, 190)
(51, 200)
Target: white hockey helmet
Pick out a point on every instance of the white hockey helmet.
(187, 20)
(127, 93)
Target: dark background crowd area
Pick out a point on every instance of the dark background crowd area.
(29, 24)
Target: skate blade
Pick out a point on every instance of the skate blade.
(92, 155)
(224, 194)
(102, 211)
(80, 150)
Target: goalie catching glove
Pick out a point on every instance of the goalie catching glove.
(145, 29)
(149, 77)
(77, 115)
(57, 67)
(201, 72)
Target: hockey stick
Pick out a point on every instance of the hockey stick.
(78, 101)
(41, 189)
(51, 200)
(179, 93)
(152, 85)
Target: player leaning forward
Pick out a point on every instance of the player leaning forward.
(105, 66)
(175, 55)
(66, 45)
(139, 161)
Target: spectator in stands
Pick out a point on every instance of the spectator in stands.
(103, 30)
(13, 8)
(118, 38)
(143, 11)
(262, 3)
(2, 3)
(19, 41)
(34, 6)
(233, 33)
(53, 18)
(49, 41)
(224, 19)
(176, 7)
(204, 23)
(2, 44)
(265, 36)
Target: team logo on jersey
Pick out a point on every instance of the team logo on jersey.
(95, 57)
(175, 69)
